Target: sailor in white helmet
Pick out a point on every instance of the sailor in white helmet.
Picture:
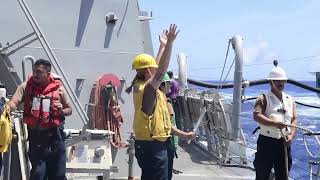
(275, 111)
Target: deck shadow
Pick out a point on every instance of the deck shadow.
(196, 154)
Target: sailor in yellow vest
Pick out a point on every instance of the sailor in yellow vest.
(152, 122)
(5, 124)
(275, 111)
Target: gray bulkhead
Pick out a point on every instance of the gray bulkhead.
(85, 45)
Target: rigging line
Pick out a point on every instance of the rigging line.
(308, 58)
(300, 103)
(301, 128)
(301, 58)
(219, 88)
(248, 129)
(250, 117)
(209, 77)
(225, 60)
(249, 102)
(258, 64)
(253, 148)
(213, 78)
(245, 145)
(311, 134)
(245, 116)
(300, 132)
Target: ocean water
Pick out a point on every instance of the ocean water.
(307, 117)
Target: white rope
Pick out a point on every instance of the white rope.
(305, 141)
(219, 88)
(225, 61)
(306, 58)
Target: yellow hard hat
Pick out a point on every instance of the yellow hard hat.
(144, 61)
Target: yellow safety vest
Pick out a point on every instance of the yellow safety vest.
(154, 127)
(5, 129)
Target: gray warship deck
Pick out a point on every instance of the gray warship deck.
(193, 162)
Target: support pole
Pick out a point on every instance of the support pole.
(182, 61)
(236, 111)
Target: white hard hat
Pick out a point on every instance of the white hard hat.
(277, 73)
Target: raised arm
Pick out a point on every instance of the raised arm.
(163, 41)
(165, 58)
(148, 102)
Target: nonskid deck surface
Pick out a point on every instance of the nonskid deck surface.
(193, 162)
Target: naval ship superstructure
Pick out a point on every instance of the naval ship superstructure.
(85, 39)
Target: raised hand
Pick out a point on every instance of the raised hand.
(163, 38)
(172, 33)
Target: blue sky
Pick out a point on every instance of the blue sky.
(271, 29)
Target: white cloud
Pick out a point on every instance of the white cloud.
(258, 52)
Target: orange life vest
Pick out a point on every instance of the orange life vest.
(45, 115)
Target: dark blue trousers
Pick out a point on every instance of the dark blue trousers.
(270, 153)
(47, 155)
(152, 158)
(171, 154)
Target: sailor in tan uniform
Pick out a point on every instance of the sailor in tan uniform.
(275, 111)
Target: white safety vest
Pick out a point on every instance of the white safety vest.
(277, 111)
